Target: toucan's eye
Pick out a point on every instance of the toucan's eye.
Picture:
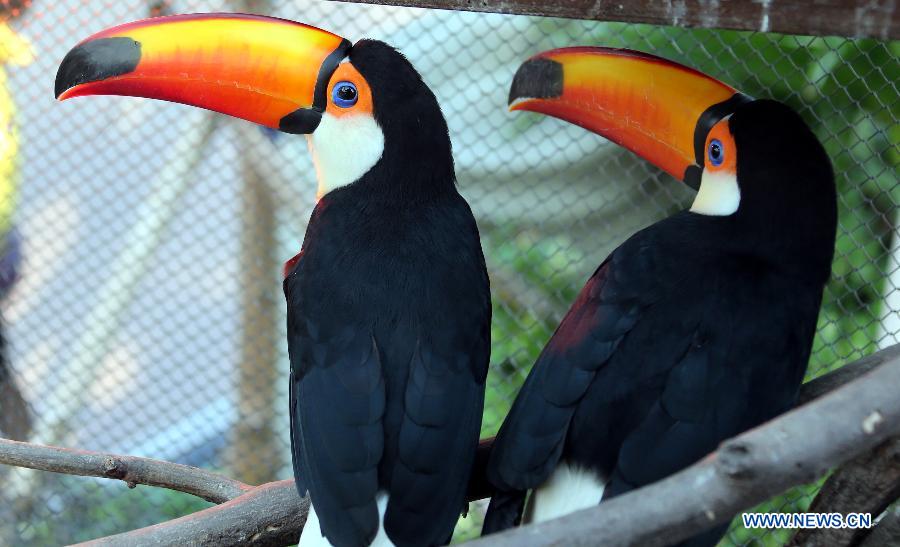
(716, 152)
(344, 94)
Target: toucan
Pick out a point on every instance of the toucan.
(697, 327)
(388, 303)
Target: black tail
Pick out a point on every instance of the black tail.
(505, 511)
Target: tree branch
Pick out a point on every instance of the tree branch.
(825, 383)
(273, 514)
(865, 484)
(792, 449)
(131, 469)
(887, 531)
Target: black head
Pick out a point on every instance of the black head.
(788, 200)
(381, 115)
(415, 132)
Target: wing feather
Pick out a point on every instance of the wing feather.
(439, 434)
(338, 400)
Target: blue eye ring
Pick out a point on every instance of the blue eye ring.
(715, 152)
(344, 94)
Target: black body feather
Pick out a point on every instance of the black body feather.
(389, 329)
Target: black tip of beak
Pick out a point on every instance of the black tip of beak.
(537, 79)
(97, 60)
(692, 176)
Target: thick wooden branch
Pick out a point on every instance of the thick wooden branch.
(851, 18)
(271, 514)
(131, 469)
(887, 531)
(865, 484)
(827, 382)
(793, 449)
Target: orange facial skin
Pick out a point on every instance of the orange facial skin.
(722, 133)
(347, 73)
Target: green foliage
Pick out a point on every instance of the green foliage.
(544, 265)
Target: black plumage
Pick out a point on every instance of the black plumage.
(389, 329)
(692, 331)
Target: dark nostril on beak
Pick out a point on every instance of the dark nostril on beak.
(537, 79)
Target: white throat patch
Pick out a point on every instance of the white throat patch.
(719, 194)
(343, 149)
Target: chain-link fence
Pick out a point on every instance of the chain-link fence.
(148, 317)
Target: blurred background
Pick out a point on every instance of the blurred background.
(142, 241)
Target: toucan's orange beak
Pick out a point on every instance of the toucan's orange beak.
(656, 108)
(269, 71)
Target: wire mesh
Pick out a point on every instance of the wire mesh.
(148, 317)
